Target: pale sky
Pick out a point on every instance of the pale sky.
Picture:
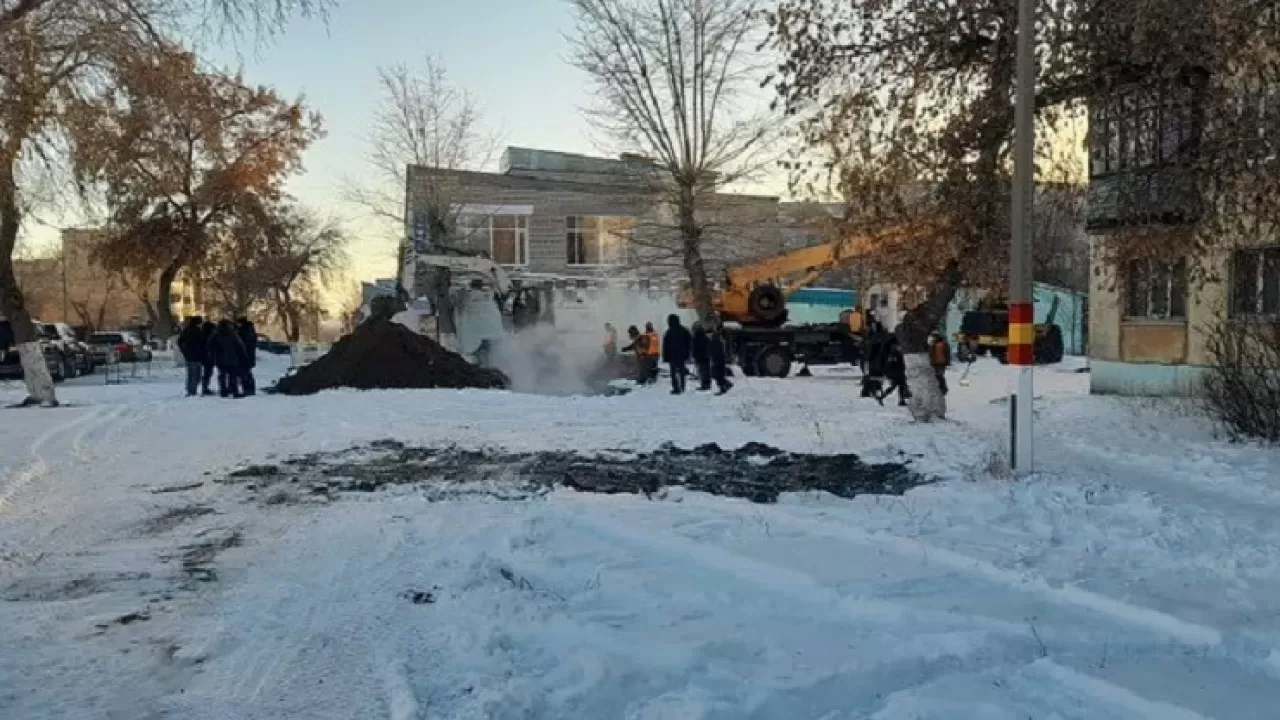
(508, 54)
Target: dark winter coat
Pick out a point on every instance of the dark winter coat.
(209, 332)
(193, 344)
(229, 353)
(877, 346)
(717, 351)
(676, 342)
(248, 335)
(701, 345)
(895, 366)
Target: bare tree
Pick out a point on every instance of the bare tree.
(304, 253)
(425, 122)
(53, 52)
(671, 77)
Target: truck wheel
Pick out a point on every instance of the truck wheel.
(774, 361)
(1000, 354)
(59, 370)
(767, 305)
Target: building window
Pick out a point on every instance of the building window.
(1255, 283)
(1140, 128)
(1156, 289)
(598, 239)
(504, 237)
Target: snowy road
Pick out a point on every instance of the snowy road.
(1135, 577)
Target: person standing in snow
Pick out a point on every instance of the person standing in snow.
(701, 351)
(895, 370)
(652, 351)
(639, 344)
(191, 343)
(676, 345)
(248, 335)
(719, 358)
(230, 357)
(939, 358)
(873, 368)
(210, 332)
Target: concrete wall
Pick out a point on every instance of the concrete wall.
(739, 226)
(1161, 357)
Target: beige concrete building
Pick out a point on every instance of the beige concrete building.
(1149, 320)
(74, 288)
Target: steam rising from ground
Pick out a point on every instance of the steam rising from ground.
(559, 360)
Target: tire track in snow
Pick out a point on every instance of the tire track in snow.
(1175, 628)
(1108, 693)
(39, 465)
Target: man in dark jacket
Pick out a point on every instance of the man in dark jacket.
(702, 356)
(230, 356)
(719, 357)
(248, 335)
(676, 345)
(895, 370)
(191, 343)
(209, 331)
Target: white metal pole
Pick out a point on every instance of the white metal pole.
(1021, 299)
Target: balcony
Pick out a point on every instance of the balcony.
(1153, 196)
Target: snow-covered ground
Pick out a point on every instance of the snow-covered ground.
(1134, 577)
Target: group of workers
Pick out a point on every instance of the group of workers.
(230, 348)
(885, 362)
(703, 345)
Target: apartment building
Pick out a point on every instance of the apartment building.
(73, 287)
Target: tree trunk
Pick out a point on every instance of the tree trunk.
(694, 264)
(164, 307)
(927, 402)
(35, 372)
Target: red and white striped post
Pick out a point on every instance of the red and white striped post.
(1022, 333)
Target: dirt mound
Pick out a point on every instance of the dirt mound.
(381, 354)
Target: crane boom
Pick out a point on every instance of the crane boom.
(755, 292)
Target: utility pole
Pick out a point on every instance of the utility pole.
(1022, 333)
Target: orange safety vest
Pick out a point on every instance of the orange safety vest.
(652, 345)
(940, 354)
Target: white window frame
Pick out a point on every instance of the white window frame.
(600, 234)
(523, 215)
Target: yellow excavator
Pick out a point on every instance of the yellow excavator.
(754, 296)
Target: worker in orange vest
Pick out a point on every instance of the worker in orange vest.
(640, 346)
(939, 358)
(610, 340)
(652, 350)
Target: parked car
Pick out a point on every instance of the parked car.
(73, 357)
(108, 347)
(141, 350)
(266, 344)
(11, 363)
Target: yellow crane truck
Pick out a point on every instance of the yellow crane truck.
(753, 301)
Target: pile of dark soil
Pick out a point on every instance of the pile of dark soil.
(381, 354)
(754, 471)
